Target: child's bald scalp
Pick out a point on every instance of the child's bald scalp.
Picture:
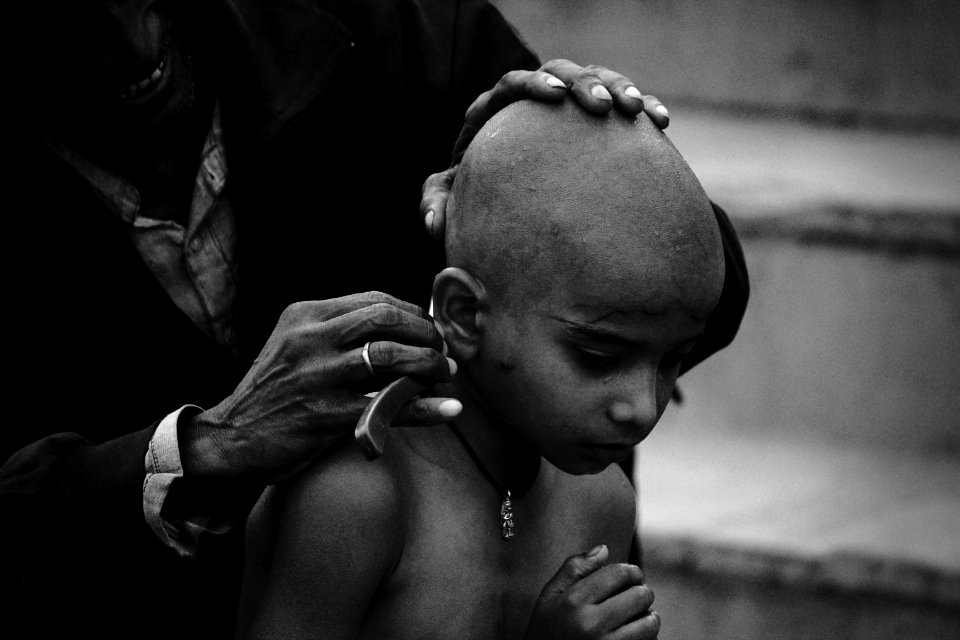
(544, 187)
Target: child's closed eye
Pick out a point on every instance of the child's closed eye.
(596, 360)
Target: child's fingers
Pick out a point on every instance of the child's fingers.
(607, 582)
(644, 628)
(626, 605)
(573, 571)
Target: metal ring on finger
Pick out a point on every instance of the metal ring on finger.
(366, 360)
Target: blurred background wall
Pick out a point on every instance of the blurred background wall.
(808, 486)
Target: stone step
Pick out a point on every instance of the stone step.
(808, 485)
(851, 187)
(775, 536)
(852, 240)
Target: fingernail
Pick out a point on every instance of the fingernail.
(662, 110)
(450, 408)
(593, 553)
(428, 220)
(555, 82)
(453, 366)
(600, 92)
(633, 92)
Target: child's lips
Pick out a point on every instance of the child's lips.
(614, 449)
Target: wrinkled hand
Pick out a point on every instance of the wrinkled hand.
(596, 89)
(588, 599)
(306, 388)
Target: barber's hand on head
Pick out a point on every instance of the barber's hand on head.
(306, 388)
(596, 89)
(588, 598)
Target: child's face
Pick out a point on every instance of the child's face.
(585, 370)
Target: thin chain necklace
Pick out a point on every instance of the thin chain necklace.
(506, 506)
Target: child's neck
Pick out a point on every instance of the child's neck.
(510, 461)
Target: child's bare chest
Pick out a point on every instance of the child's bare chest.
(458, 577)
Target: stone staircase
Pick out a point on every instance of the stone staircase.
(808, 485)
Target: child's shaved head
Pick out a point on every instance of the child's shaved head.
(547, 191)
(583, 262)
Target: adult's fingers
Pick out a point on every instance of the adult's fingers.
(390, 360)
(656, 111)
(644, 628)
(323, 310)
(513, 86)
(606, 582)
(626, 605)
(433, 202)
(607, 87)
(585, 85)
(598, 89)
(382, 321)
(427, 412)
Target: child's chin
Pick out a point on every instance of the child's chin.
(583, 466)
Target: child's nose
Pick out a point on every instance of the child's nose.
(636, 406)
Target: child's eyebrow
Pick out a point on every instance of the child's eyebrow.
(589, 331)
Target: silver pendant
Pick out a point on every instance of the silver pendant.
(506, 517)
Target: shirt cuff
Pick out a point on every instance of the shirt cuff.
(164, 474)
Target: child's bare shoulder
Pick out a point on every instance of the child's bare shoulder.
(611, 491)
(601, 488)
(334, 498)
(347, 484)
(608, 502)
(329, 536)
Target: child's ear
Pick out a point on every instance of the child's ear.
(457, 300)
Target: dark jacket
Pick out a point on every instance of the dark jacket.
(334, 112)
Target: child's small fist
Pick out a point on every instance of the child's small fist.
(589, 599)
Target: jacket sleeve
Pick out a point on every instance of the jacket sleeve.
(65, 486)
(77, 552)
(68, 505)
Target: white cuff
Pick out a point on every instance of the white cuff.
(163, 469)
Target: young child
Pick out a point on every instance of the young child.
(584, 259)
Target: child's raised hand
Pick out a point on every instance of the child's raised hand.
(588, 598)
